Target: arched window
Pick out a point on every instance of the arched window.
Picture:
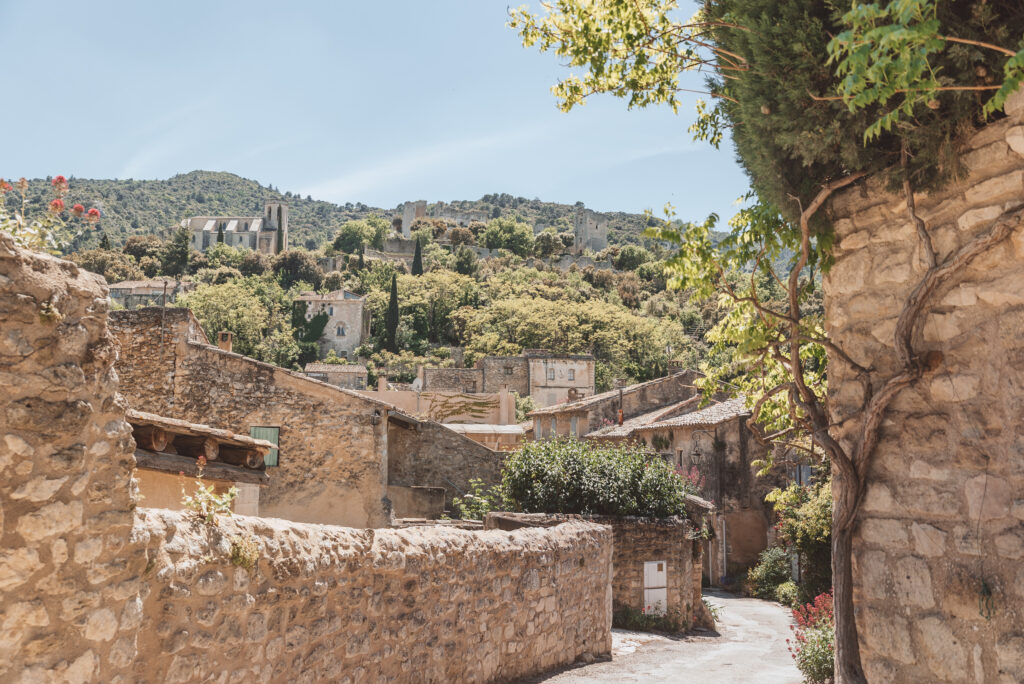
(340, 331)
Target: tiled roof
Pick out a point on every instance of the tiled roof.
(712, 415)
(310, 296)
(587, 402)
(153, 282)
(335, 368)
(643, 419)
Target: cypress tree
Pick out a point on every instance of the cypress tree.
(220, 233)
(391, 319)
(104, 241)
(417, 261)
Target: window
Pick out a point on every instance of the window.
(330, 311)
(551, 373)
(572, 373)
(572, 426)
(271, 434)
(341, 331)
(508, 370)
(554, 426)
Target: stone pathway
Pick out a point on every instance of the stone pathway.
(749, 646)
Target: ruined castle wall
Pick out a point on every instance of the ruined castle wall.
(93, 589)
(332, 461)
(944, 511)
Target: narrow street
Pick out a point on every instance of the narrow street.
(749, 646)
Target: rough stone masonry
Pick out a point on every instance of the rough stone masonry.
(94, 589)
(938, 572)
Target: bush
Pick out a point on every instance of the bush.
(814, 636)
(570, 476)
(772, 569)
(627, 617)
(480, 501)
(787, 593)
(805, 526)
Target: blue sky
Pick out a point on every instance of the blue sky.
(377, 102)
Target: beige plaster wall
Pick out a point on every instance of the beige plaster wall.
(944, 510)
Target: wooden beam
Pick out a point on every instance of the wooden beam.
(150, 437)
(197, 446)
(222, 472)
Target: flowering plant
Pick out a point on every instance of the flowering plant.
(50, 232)
(814, 637)
(204, 502)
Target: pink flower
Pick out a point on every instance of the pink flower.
(5, 187)
(78, 210)
(58, 181)
(93, 214)
(57, 206)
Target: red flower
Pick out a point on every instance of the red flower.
(57, 206)
(5, 187)
(78, 210)
(59, 181)
(93, 214)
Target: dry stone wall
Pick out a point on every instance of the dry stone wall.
(93, 589)
(943, 518)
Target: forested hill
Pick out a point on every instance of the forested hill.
(155, 207)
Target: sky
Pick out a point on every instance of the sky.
(373, 102)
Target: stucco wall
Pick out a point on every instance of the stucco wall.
(943, 512)
(93, 589)
(332, 460)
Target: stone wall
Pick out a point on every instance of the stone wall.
(65, 459)
(512, 372)
(452, 379)
(638, 540)
(434, 456)
(332, 458)
(944, 511)
(93, 589)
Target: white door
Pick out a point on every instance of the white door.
(655, 587)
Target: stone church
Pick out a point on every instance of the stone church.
(266, 234)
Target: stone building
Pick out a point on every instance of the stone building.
(266, 234)
(134, 294)
(410, 212)
(348, 375)
(459, 217)
(547, 377)
(331, 463)
(581, 417)
(590, 231)
(939, 541)
(348, 320)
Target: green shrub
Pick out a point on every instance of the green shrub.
(571, 476)
(627, 617)
(480, 501)
(772, 569)
(787, 593)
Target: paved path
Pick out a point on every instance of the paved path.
(750, 646)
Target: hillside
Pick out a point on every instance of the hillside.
(155, 207)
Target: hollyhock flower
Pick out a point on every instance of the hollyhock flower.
(59, 181)
(5, 187)
(23, 184)
(57, 206)
(78, 210)
(93, 214)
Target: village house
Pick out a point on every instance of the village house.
(548, 377)
(134, 294)
(331, 461)
(348, 375)
(582, 416)
(266, 234)
(348, 320)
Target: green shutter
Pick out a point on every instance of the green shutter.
(271, 435)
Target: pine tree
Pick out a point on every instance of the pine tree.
(220, 233)
(417, 261)
(391, 319)
(104, 241)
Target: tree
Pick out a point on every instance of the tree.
(220, 234)
(253, 263)
(333, 281)
(466, 261)
(800, 144)
(547, 243)
(352, 236)
(391, 319)
(417, 260)
(175, 255)
(229, 306)
(511, 234)
(104, 240)
(140, 246)
(631, 257)
(295, 265)
(114, 266)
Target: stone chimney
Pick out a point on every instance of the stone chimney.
(382, 383)
(224, 338)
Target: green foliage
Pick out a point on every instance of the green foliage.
(511, 234)
(631, 257)
(205, 503)
(804, 525)
(479, 501)
(466, 262)
(772, 569)
(547, 243)
(816, 657)
(524, 405)
(417, 260)
(354, 234)
(114, 266)
(788, 593)
(232, 306)
(627, 617)
(296, 265)
(176, 254)
(571, 476)
(245, 551)
(391, 318)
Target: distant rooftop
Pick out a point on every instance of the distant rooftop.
(310, 296)
(587, 402)
(335, 368)
(712, 415)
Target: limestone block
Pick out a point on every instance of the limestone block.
(1010, 545)
(988, 497)
(954, 387)
(974, 218)
(50, 520)
(1007, 291)
(945, 654)
(101, 625)
(912, 581)
(212, 583)
(882, 532)
(38, 489)
(961, 295)
(1014, 105)
(1003, 186)
(941, 327)
(886, 635)
(1010, 657)
(928, 540)
(878, 499)
(989, 159)
(82, 669)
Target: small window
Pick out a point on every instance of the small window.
(508, 370)
(554, 426)
(572, 427)
(341, 331)
(271, 434)
(330, 311)
(551, 373)
(572, 373)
